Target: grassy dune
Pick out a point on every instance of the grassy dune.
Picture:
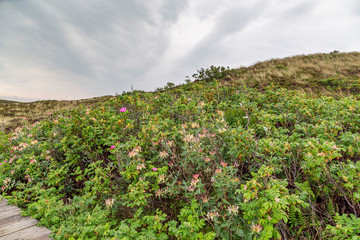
(334, 74)
(265, 152)
(12, 113)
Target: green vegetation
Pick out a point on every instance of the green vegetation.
(265, 152)
(12, 113)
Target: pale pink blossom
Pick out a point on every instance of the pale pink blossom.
(191, 188)
(158, 192)
(134, 152)
(233, 209)
(194, 181)
(163, 154)
(256, 227)
(205, 199)
(140, 166)
(195, 125)
(109, 202)
(212, 214)
(162, 178)
(223, 164)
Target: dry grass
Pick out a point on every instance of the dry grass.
(12, 113)
(334, 74)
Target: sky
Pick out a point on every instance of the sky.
(74, 49)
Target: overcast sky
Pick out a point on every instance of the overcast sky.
(72, 49)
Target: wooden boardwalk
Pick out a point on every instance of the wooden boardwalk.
(15, 227)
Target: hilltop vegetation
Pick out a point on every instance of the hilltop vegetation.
(335, 74)
(265, 152)
(12, 113)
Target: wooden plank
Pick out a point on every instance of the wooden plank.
(8, 208)
(7, 214)
(9, 228)
(43, 238)
(3, 202)
(46, 237)
(14, 226)
(9, 220)
(31, 233)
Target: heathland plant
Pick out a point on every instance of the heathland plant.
(205, 160)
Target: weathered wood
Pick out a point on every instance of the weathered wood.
(3, 202)
(8, 208)
(11, 219)
(7, 214)
(14, 226)
(31, 233)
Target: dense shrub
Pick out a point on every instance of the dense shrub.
(213, 73)
(212, 162)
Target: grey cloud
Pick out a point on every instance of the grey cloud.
(300, 9)
(130, 41)
(123, 38)
(231, 21)
(356, 8)
(171, 9)
(101, 47)
(43, 39)
(96, 17)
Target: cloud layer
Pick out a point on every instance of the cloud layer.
(64, 49)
